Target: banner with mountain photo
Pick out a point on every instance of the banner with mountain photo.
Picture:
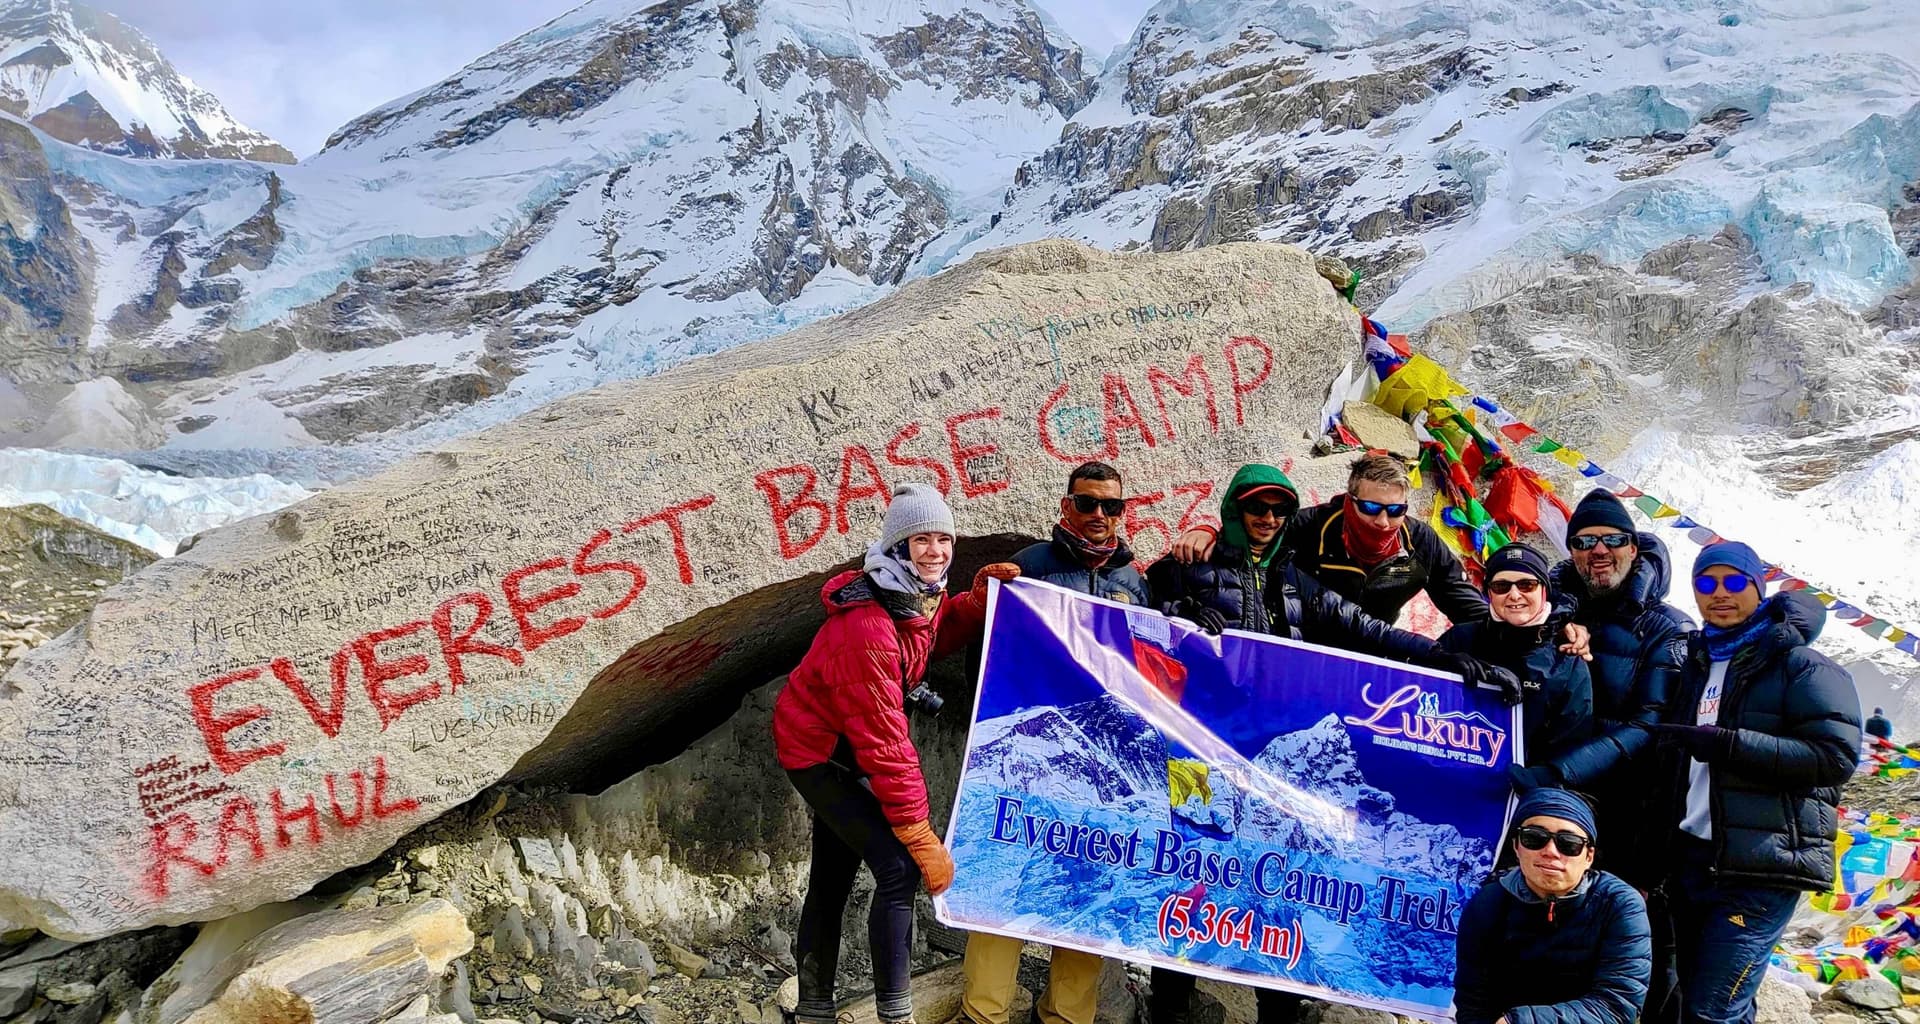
(1240, 807)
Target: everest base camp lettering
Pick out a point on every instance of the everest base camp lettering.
(1268, 877)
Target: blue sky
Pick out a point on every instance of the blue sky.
(299, 70)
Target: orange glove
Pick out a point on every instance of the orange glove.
(936, 865)
(1002, 571)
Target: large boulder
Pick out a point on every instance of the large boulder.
(570, 596)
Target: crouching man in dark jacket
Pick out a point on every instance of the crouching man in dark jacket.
(1752, 753)
(1248, 582)
(1553, 941)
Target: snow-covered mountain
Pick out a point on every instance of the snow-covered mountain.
(630, 184)
(86, 77)
(1096, 752)
(1680, 234)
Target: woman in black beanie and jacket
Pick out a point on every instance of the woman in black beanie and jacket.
(1522, 635)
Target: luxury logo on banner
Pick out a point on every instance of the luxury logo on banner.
(1240, 807)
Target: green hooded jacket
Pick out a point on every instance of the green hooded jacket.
(1249, 477)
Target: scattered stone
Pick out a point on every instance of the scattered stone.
(532, 983)
(1872, 992)
(686, 961)
(1378, 428)
(637, 957)
(538, 856)
(588, 995)
(1782, 1003)
(71, 993)
(508, 994)
(426, 858)
(360, 965)
(457, 996)
(747, 1012)
(17, 985)
(499, 974)
(363, 898)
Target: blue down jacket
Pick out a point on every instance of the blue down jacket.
(1581, 959)
(1054, 562)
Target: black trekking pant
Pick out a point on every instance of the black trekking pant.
(849, 828)
(1173, 992)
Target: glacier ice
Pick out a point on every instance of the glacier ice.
(153, 509)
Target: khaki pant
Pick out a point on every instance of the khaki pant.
(992, 971)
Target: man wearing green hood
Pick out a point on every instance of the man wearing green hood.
(1249, 582)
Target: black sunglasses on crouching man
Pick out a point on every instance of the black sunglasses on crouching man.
(1533, 837)
(1586, 542)
(1086, 503)
(1276, 509)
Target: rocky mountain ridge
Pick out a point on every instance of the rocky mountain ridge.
(85, 77)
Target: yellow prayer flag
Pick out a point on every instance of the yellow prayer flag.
(1417, 384)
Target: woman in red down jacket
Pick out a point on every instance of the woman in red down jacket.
(840, 730)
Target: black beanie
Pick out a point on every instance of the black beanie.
(1518, 558)
(1600, 508)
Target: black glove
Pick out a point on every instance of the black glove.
(1481, 673)
(1704, 743)
(1529, 777)
(1206, 617)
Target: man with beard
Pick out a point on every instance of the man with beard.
(1619, 577)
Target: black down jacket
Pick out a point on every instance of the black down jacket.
(1639, 644)
(1798, 741)
(1557, 711)
(1319, 549)
(1304, 611)
(1581, 959)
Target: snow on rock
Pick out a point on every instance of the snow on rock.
(152, 509)
(86, 77)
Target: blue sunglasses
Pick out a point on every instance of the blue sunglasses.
(1735, 582)
(1374, 508)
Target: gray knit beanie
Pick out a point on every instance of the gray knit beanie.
(915, 508)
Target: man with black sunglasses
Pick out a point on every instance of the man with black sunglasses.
(1618, 578)
(1552, 939)
(1087, 555)
(1364, 547)
(1752, 753)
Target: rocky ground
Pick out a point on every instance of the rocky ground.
(52, 570)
